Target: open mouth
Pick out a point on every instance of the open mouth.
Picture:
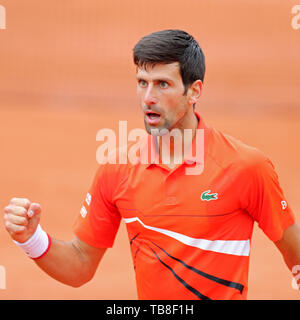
(152, 117)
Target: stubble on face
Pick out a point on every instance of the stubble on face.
(171, 104)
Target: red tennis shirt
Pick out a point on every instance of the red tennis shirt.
(189, 234)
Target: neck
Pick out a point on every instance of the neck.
(173, 144)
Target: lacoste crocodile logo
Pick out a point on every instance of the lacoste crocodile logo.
(206, 196)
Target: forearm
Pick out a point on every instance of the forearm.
(292, 261)
(289, 246)
(72, 263)
(65, 263)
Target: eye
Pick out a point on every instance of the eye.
(142, 83)
(163, 84)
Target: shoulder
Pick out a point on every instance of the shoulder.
(229, 151)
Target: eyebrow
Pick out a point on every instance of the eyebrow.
(166, 79)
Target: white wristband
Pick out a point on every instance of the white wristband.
(37, 245)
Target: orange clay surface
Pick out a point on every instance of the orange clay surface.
(66, 72)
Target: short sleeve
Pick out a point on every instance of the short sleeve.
(99, 220)
(263, 199)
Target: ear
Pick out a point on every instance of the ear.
(194, 91)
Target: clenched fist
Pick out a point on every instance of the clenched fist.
(21, 218)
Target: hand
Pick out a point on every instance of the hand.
(21, 218)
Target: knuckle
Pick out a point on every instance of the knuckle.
(10, 208)
(8, 217)
(16, 219)
(8, 225)
(5, 217)
(14, 229)
(22, 202)
(23, 221)
(7, 208)
(18, 211)
(13, 200)
(22, 212)
(26, 203)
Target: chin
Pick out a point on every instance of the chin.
(156, 130)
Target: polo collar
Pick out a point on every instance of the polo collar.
(150, 146)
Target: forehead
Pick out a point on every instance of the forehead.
(159, 71)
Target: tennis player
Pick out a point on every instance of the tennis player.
(190, 234)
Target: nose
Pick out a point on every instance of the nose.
(150, 97)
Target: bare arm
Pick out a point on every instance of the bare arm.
(289, 246)
(73, 263)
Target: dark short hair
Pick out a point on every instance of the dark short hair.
(169, 46)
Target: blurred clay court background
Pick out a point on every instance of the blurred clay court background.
(66, 71)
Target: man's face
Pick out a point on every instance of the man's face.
(161, 94)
